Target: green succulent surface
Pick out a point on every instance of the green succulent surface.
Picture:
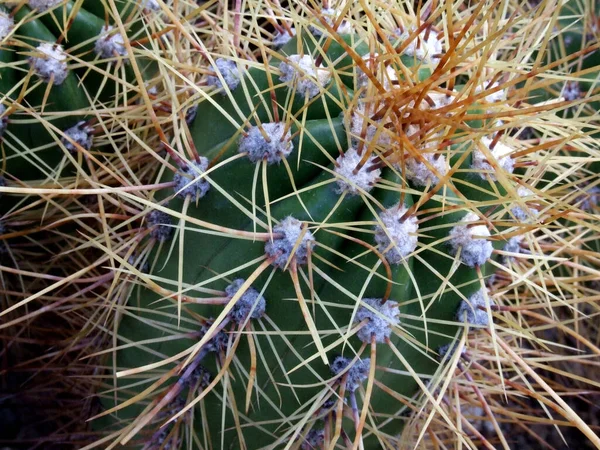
(344, 284)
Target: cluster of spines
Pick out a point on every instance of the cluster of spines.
(468, 238)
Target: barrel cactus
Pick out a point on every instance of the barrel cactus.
(62, 64)
(341, 198)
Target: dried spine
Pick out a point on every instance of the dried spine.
(308, 79)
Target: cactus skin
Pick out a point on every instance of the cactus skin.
(32, 147)
(429, 285)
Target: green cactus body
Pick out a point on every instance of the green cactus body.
(351, 265)
(47, 93)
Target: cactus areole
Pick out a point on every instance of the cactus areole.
(298, 238)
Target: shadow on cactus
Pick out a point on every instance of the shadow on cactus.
(338, 206)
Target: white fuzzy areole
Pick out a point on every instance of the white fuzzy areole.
(109, 43)
(398, 238)
(421, 175)
(43, 5)
(513, 245)
(53, 62)
(470, 311)
(379, 323)
(309, 80)
(282, 246)
(352, 183)
(278, 146)
(3, 119)
(331, 16)
(471, 241)
(230, 73)
(160, 224)
(355, 123)
(81, 134)
(524, 214)
(501, 153)
(421, 48)
(151, 5)
(6, 24)
(280, 39)
(571, 91)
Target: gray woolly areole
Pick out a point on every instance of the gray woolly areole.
(159, 222)
(190, 114)
(200, 377)
(43, 5)
(109, 43)
(401, 236)
(379, 323)
(250, 302)
(571, 91)
(514, 244)
(81, 134)
(3, 119)
(358, 372)
(280, 248)
(280, 39)
(352, 183)
(218, 342)
(474, 248)
(278, 145)
(331, 16)
(51, 62)
(588, 201)
(6, 24)
(470, 312)
(187, 182)
(307, 78)
(451, 349)
(314, 440)
(230, 73)
(523, 214)
(420, 175)
(151, 5)
(501, 154)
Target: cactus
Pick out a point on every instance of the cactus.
(328, 234)
(60, 66)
